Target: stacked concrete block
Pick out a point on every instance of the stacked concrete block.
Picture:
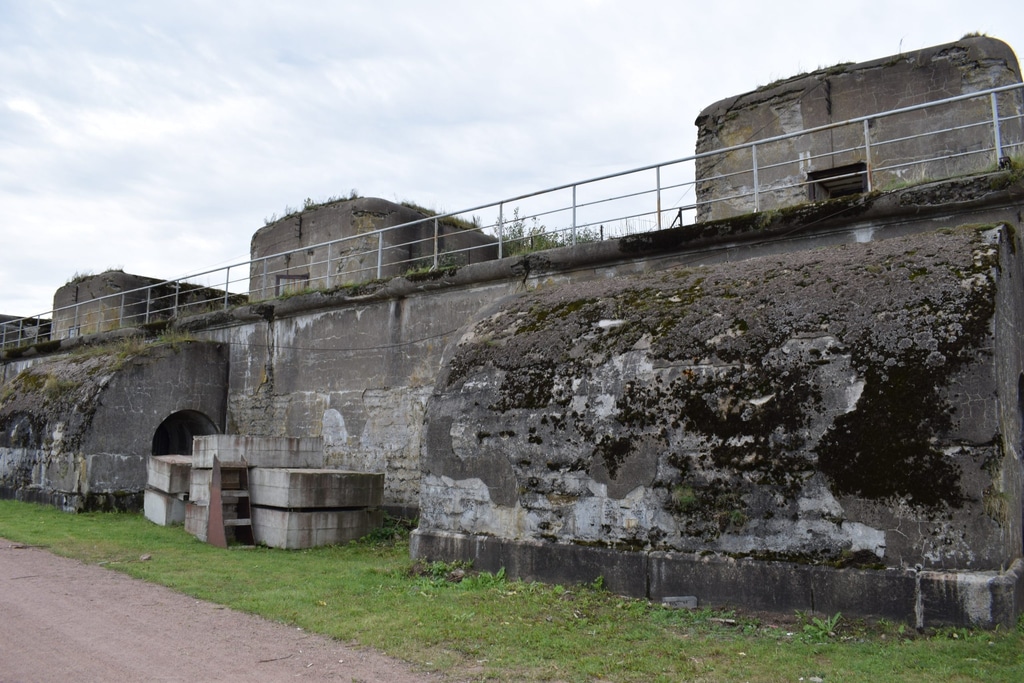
(167, 488)
(303, 508)
(197, 518)
(295, 502)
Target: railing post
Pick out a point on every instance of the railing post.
(436, 243)
(149, 302)
(995, 130)
(380, 255)
(867, 152)
(753, 159)
(75, 328)
(227, 283)
(177, 290)
(574, 215)
(501, 221)
(329, 264)
(120, 313)
(263, 287)
(657, 174)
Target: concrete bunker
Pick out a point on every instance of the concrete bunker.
(92, 304)
(175, 434)
(292, 254)
(864, 155)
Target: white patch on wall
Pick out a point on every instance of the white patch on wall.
(863, 236)
(976, 597)
(333, 430)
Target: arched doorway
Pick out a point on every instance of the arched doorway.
(174, 435)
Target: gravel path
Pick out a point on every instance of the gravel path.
(62, 620)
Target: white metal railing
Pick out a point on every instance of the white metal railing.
(974, 132)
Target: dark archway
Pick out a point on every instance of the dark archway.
(174, 435)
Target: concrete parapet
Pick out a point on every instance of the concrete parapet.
(294, 529)
(258, 451)
(315, 488)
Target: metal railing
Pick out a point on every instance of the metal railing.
(958, 135)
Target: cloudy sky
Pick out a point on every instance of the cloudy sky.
(157, 136)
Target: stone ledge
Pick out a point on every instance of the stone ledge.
(919, 598)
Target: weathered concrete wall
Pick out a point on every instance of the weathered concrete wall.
(788, 405)
(842, 423)
(355, 260)
(355, 371)
(726, 184)
(75, 430)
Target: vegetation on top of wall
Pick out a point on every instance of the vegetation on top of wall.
(452, 221)
(81, 276)
(522, 235)
(309, 204)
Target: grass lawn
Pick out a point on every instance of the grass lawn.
(452, 620)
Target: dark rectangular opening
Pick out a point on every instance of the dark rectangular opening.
(837, 182)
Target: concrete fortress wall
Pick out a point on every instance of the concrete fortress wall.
(826, 419)
(76, 430)
(847, 91)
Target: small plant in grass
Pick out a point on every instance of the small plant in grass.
(819, 630)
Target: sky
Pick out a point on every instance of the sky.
(157, 137)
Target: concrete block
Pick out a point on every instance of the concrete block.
(169, 473)
(294, 529)
(680, 601)
(258, 451)
(163, 508)
(199, 484)
(197, 516)
(200, 479)
(315, 488)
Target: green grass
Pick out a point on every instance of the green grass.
(485, 627)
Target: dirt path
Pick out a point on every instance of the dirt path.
(61, 620)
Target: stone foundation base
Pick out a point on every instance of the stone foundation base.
(919, 598)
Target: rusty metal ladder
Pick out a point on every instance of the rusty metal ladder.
(229, 504)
